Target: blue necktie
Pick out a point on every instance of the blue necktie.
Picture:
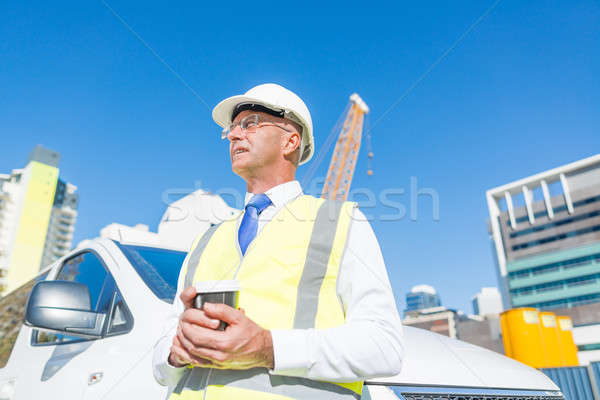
(249, 224)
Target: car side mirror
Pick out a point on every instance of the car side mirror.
(65, 307)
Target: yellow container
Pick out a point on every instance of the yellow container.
(522, 336)
(549, 329)
(565, 340)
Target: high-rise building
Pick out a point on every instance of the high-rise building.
(59, 237)
(487, 302)
(421, 297)
(37, 218)
(545, 231)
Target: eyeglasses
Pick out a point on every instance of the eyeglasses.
(250, 123)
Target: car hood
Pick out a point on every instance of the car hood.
(435, 360)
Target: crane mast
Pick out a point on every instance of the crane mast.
(343, 162)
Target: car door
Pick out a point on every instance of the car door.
(70, 364)
(125, 357)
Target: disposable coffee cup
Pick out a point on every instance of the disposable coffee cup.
(224, 292)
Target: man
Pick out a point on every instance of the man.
(316, 311)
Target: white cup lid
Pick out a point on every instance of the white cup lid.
(217, 286)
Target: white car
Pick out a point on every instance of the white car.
(93, 322)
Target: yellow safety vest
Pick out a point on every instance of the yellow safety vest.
(288, 280)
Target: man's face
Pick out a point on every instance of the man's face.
(254, 150)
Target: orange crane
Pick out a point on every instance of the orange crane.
(343, 162)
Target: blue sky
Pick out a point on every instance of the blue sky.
(520, 93)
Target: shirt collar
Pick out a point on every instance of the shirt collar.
(280, 194)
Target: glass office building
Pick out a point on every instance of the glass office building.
(545, 231)
(421, 297)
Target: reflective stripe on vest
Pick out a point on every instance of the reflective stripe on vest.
(288, 280)
(253, 384)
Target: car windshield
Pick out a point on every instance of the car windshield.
(159, 268)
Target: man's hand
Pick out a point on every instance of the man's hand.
(242, 345)
(179, 357)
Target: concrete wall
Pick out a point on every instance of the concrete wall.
(582, 315)
(484, 333)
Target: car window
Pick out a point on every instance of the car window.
(158, 268)
(84, 268)
(12, 312)
(121, 320)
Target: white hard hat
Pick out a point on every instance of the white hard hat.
(273, 99)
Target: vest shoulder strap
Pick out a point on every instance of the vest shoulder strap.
(196, 253)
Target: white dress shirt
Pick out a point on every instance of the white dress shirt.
(370, 342)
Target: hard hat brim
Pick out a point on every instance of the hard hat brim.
(222, 116)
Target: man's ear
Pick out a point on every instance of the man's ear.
(291, 150)
(292, 143)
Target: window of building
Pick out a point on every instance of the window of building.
(562, 236)
(65, 224)
(585, 280)
(547, 270)
(549, 288)
(520, 274)
(561, 265)
(12, 312)
(569, 265)
(551, 225)
(588, 347)
(565, 303)
(545, 287)
(538, 214)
